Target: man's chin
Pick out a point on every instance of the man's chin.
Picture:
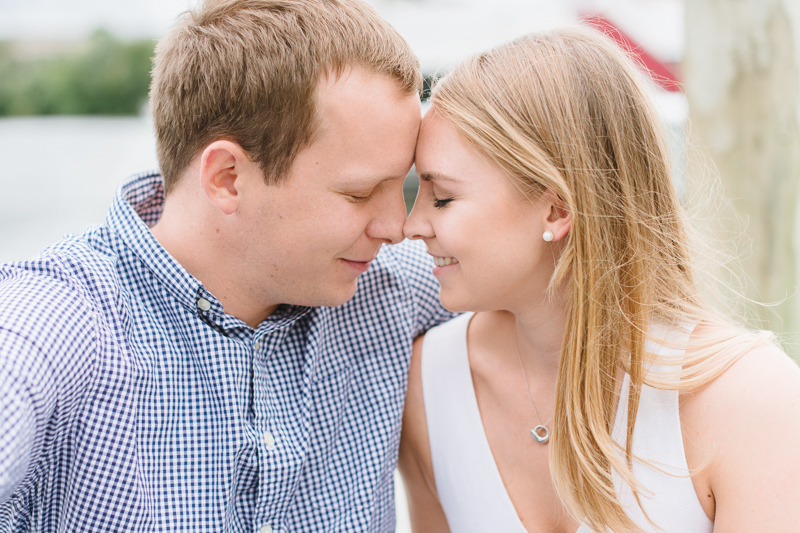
(334, 297)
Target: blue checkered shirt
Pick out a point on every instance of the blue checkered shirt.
(129, 400)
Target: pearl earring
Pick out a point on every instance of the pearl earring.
(547, 236)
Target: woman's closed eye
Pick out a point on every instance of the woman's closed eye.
(438, 203)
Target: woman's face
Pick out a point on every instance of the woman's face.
(484, 235)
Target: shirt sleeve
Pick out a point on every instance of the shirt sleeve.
(417, 267)
(18, 416)
(47, 343)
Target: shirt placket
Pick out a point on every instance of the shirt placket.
(277, 372)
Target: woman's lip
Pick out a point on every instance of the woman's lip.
(438, 271)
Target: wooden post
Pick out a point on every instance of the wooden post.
(742, 79)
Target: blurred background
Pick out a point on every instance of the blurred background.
(725, 77)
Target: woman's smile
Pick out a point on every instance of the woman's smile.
(444, 261)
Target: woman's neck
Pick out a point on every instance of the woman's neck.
(539, 330)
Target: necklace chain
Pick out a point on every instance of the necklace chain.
(540, 433)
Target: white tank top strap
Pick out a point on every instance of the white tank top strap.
(666, 490)
(468, 482)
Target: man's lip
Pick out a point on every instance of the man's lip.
(360, 260)
(359, 266)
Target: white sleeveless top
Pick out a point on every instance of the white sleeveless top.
(468, 482)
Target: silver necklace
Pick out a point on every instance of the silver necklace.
(540, 433)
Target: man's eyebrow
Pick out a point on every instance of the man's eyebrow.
(371, 181)
(432, 176)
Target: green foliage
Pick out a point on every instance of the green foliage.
(105, 76)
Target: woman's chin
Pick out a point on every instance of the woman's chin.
(457, 303)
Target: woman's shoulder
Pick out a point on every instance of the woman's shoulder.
(755, 379)
(750, 364)
(414, 438)
(740, 429)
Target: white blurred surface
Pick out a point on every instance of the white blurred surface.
(60, 174)
(403, 522)
(442, 32)
(57, 19)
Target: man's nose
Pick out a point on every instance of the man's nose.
(390, 215)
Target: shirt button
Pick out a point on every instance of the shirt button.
(269, 440)
(257, 345)
(203, 304)
(266, 528)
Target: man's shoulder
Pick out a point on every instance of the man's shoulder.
(75, 257)
(55, 309)
(65, 283)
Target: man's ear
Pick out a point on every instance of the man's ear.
(559, 218)
(222, 165)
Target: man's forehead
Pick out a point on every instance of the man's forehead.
(335, 75)
(359, 98)
(356, 84)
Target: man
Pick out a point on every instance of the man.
(228, 351)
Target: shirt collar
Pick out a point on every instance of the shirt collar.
(138, 205)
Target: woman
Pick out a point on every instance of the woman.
(592, 389)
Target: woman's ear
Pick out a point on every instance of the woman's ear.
(222, 166)
(559, 219)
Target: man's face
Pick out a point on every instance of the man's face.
(315, 233)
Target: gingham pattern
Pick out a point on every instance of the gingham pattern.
(126, 407)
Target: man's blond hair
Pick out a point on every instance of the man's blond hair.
(248, 71)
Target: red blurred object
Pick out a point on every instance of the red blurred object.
(664, 74)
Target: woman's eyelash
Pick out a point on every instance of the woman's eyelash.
(441, 202)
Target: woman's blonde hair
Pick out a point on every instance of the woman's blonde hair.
(567, 111)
